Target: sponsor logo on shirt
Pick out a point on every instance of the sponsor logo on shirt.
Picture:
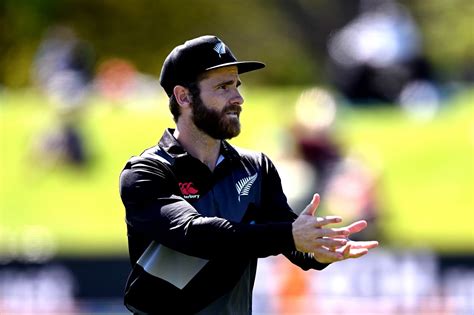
(189, 191)
(243, 186)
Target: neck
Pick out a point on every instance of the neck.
(200, 145)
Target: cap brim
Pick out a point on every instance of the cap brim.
(242, 66)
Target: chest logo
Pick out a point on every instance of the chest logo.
(188, 190)
(243, 186)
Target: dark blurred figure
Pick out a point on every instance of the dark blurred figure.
(63, 70)
(374, 56)
(62, 144)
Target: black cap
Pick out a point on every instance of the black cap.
(185, 62)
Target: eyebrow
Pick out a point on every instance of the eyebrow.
(230, 82)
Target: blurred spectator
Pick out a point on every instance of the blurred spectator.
(314, 151)
(116, 79)
(64, 67)
(353, 191)
(61, 144)
(63, 70)
(420, 99)
(347, 182)
(293, 289)
(373, 57)
(313, 131)
(122, 84)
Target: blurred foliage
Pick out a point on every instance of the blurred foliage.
(448, 32)
(144, 31)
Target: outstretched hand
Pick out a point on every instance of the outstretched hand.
(328, 244)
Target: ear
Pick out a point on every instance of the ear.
(182, 95)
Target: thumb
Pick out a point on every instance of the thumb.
(347, 251)
(313, 205)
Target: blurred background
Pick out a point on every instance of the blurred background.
(368, 102)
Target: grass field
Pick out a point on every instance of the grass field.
(428, 169)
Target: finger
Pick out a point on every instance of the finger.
(313, 205)
(357, 226)
(341, 235)
(315, 202)
(325, 255)
(356, 253)
(321, 221)
(346, 251)
(332, 232)
(330, 242)
(364, 244)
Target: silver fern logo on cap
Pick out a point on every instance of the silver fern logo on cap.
(219, 48)
(243, 186)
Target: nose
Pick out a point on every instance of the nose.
(237, 98)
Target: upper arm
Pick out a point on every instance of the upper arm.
(152, 199)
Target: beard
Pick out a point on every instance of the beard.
(217, 124)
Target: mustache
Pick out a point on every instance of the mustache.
(232, 108)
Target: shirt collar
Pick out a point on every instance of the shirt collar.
(171, 146)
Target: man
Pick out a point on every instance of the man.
(200, 212)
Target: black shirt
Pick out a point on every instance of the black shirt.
(195, 235)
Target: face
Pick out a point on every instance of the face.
(216, 110)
